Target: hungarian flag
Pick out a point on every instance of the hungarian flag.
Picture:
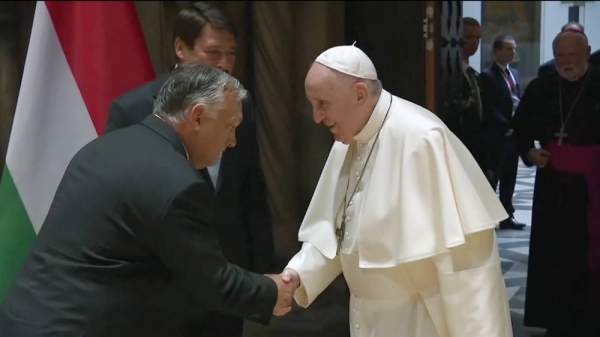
(81, 56)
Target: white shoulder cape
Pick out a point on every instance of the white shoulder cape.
(424, 195)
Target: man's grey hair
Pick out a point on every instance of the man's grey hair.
(191, 84)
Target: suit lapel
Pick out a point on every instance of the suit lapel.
(219, 177)
(206, 176)
(517, 77)
(500, 79)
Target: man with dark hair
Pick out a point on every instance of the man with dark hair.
(550, 68)
(500, 94)
(204, 34)
(131, 221)
(466, 121)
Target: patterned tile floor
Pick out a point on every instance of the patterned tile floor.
(514, 251)
(328, 316)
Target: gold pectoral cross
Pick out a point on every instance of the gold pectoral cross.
(562, 134)
(340, 236)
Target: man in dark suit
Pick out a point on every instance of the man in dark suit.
(131, 221)
(203, 33)
(466, 122)
(500, 94)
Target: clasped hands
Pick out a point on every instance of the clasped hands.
(538, 157)
(287, 283)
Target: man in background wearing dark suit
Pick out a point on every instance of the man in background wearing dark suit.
(466, 121)
(500, 94)
(131, 222)
(550, 67)
(203, 33)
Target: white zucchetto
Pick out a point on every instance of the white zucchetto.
(349, 60)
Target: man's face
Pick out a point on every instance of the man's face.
(571, 54)
(215, 47)
(472, 36)
(212, 132)
(332, 102)
(507, 53)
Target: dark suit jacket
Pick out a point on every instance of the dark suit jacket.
(130, 222)
(549, 67)
(497, 105)
(242, 213)
(496, 98)
(465, 123)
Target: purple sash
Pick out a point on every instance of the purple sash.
(584, 159)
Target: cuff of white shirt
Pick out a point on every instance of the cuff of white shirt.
(301, 295)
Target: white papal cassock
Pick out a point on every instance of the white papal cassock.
(419, 253)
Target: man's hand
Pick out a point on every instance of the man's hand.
(539, 157)
(285, 295)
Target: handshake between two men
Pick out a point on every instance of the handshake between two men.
(287, 283)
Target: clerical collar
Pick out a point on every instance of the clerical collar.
(187, 154)
(376, 118)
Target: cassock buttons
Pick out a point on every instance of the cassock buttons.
(357, 326)
(359, 158)
(351, 202)
(347, 234)
(357, 174)
(354, 310)
(347, 218)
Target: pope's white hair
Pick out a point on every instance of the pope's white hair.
(374, 86)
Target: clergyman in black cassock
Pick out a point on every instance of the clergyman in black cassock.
(560, 288)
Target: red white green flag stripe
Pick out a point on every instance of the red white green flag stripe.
(81, 56)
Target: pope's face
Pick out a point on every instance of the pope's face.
(332, 102)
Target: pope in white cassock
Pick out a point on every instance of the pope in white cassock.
(402, 209)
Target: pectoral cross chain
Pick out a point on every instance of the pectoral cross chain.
(340, 235)
(340, 231)
(562, 134)
(564, 120)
